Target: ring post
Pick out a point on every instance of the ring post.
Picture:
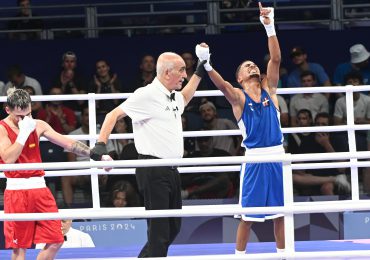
(92, 141)
(288, 203)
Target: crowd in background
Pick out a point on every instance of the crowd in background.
(211, 113)
(203, 113)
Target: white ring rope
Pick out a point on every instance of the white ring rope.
(195, 169)
(288, 130)
(201, 93)
(192, 211)
(289, 209)
(189, 161)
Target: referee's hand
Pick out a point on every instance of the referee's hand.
(98, 151)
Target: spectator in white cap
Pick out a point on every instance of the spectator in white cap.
(359, 62)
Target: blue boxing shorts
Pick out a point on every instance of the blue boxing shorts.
(261, 184)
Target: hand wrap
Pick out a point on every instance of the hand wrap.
(204, 55)
(98, 151)
(270, 28)
(26, 126)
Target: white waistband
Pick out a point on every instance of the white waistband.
(278, 149)
(25, 183)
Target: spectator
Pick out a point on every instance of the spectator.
(146, 74)
(123, 149)
(71, 81)
(123, 194)
(121, 127)
(315, 102)
(229, 144)
(319, 181)
(105, 82)
(284, 118)
(207, 185)
(26, 21)
(2, 85)
(283, 72)
(303, 119)
(366, 174)
(73, 238)
(359, 62)
(18, 79)
(69, 183)
(61, 118)
(299, 59)
(361, 113)
(361, 103)
(284, 112)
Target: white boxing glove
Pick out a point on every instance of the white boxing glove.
(203, 54)
(26, 126)
(270, 28)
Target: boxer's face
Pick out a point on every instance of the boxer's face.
(248, 69)
(18, 114)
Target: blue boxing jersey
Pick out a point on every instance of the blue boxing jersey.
(260, 123)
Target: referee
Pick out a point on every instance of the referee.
(156, 111)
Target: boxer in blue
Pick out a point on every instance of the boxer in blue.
(255, 107)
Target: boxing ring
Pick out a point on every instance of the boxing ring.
(294, 249)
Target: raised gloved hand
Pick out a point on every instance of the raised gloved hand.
(267, 19)
(98, 151)
(26, 126)
(202, 52)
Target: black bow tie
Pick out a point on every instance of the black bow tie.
(172, 96)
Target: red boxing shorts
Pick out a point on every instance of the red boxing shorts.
(21, 234)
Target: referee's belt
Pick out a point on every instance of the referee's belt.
(144, 156)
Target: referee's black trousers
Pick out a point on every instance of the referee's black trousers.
(161, 189)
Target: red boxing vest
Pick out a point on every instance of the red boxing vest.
(29, 154)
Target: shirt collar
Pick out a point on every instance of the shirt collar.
(162, 88)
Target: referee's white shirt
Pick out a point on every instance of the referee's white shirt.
(156, 120)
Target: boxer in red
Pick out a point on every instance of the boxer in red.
(26, 191)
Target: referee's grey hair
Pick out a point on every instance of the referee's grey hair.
(18, 98)
(165, 62)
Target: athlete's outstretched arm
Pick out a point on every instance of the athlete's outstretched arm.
(231, 94)
(227, 89)
(66, 142)
(267, 19)
(273, 65)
